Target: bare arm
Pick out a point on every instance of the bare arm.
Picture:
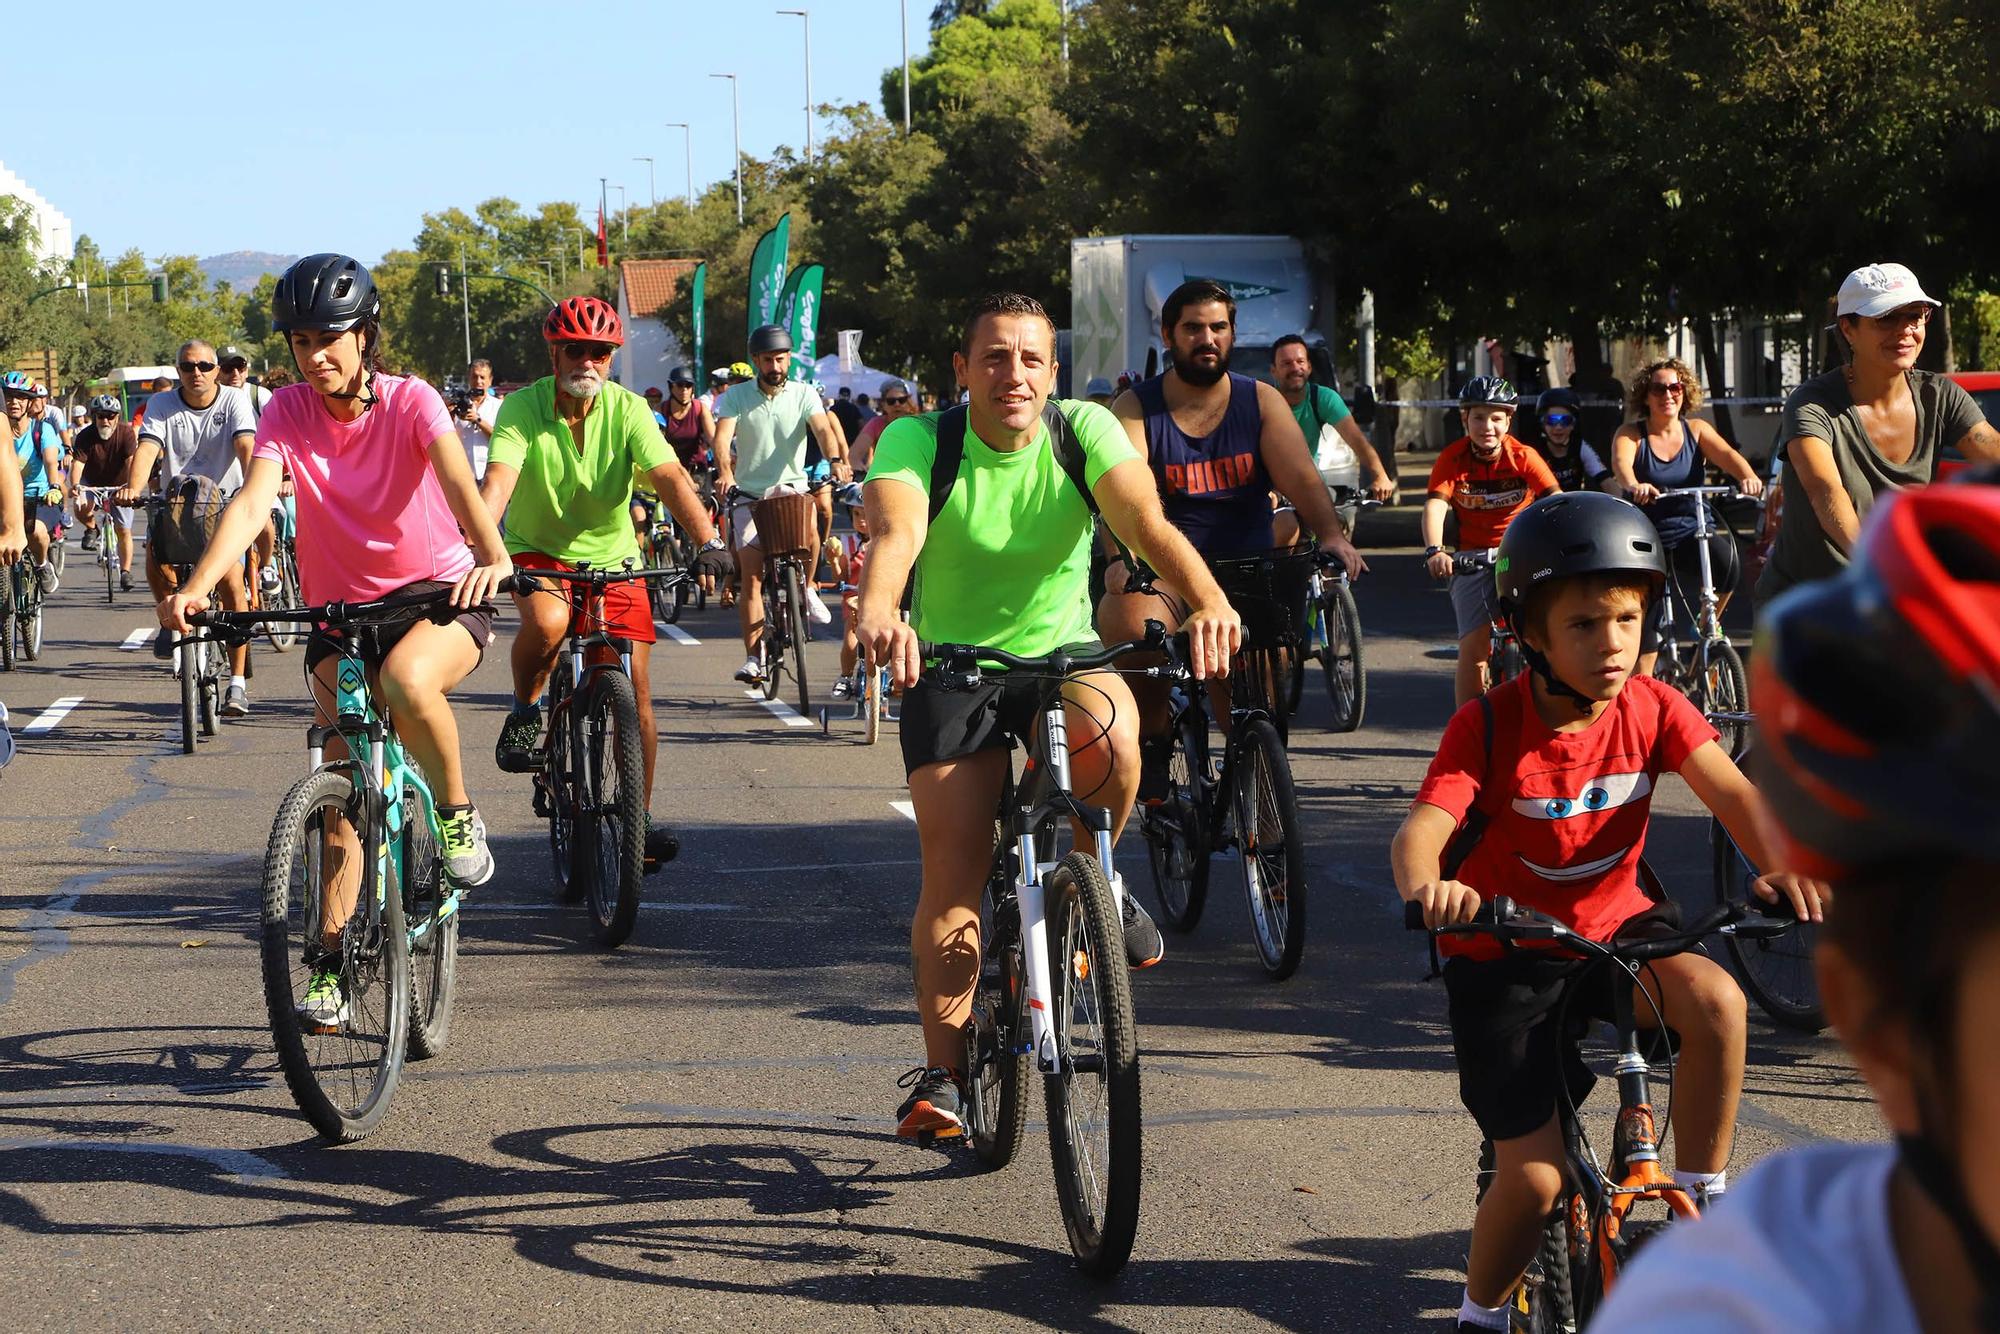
(13, 523)
(1982, 442)
(898, 521)
(462, 493)
(671, 484)
(725, 458)
(706, 428)
(242, 520)
(1624, 454)
(1416, 857)
(498, 488)
(1728, 458)
(1382, 488)
(832, 443)
(52, 469)
(143, 458)
(1130, 503)
(1436, 507)
(1812, 460)
(1731, 799)
(243, 442)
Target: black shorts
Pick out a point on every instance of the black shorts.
(939, 725)
(1503, 1028)
(478, 622)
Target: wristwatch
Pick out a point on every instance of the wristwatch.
(1433, 551)
(713, 544)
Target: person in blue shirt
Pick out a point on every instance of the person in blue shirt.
(38, 453)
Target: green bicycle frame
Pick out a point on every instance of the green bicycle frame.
(383, 782)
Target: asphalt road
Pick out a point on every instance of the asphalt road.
(696, 1129)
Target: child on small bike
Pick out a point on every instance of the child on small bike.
(1879, 720)
(1546, 783)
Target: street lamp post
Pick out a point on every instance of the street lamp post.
(624, 221)
(736, 115)
(687, 148)
(906, 68)
(807, 16)
(651, 189)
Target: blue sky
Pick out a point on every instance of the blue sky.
(336, 127)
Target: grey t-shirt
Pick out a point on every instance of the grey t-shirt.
(200, 441)
(1824, 409)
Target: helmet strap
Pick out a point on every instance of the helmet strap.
(366, 395)
(1539, 664)
(1932, 1171)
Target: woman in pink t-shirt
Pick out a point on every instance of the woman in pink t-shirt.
(384, 491)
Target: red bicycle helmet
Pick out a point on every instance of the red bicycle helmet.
(584, 319)
(1878, 692)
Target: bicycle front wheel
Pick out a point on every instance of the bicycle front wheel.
(996, 1068)
(1340, 658)
(211, 662)
(1724, 687)
(777, 624)
(433, 932)
(1093, 1095)
(1271, 849)
(559, 783)
(1176, 830)
(187, 662)
(341, 1073)
(8, 579)
(109, 560)
(31, 628)
(612, 807)
(795, 628)
(284, 634)
(1778, 973)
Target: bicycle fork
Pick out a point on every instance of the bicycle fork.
(1033, 902)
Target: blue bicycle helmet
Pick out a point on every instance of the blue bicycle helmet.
(17, 383)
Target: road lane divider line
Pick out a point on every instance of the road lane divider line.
(138, 638)
(47, 719)
(780, 710)
(678, 635)
(905, 809)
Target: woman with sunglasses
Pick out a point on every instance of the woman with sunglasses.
(1873, 425)
(1662, 450)
(1577, 466)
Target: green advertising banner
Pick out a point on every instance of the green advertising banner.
(800, 316)
(767, 273)
(699, 292)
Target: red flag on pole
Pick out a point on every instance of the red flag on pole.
(603, 242)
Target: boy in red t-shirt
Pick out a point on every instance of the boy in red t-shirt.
(1578, 744)
(1487, 477)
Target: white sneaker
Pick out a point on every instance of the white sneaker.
(751, 672)
(269, 580)
(816, 608)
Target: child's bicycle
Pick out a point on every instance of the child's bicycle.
(1054, 993)
(1503, 655)
(368, 816)
(1696, 658)
(1595, 1229)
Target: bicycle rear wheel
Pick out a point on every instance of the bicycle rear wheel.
(212, 666)
(1724, 687)
(434, 938)
(1093, 1096)
(1176, 831)
(1340, 658)
(31, 626)
(796, 630)
(1271, 848)
(284, 634)
(777, 625)
(560, 784)
(996, 1069)
(341, 1075)
(108, 545)
(1778, 973)
(612, 809)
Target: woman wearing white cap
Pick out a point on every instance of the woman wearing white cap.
(1874, 425)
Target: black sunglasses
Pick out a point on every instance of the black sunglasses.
(194, 367)
(900, 399)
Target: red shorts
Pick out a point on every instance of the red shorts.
(627, 612)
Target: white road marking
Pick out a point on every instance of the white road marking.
(138, 638)
(678, 635)
(780, 710)
(492, 908)
(905, 809)
(49, 717)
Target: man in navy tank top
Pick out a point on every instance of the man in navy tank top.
(1219, 444)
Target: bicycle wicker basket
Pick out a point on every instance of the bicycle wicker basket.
(787, 524)
(181, 526)
(1269, 592)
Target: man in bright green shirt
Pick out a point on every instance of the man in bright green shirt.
(1006, 565)
(560, 469)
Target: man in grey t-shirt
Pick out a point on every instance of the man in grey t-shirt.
(202, 429)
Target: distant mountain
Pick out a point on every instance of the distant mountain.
(242, 268)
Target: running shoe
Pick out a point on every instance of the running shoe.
(325, 1005)
(935, 1105)
(1144, 946)
(124, 581)
(268, 580)
(519, 750)
(842, 688)
(751, 672)
(1156, 754)
(163, 644)
(89, 539)
(662, 845)
(816, 608)
(462, 841)
(47, 575)
(235, 702)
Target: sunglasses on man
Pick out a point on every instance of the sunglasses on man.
(195, 367)
(588, 351)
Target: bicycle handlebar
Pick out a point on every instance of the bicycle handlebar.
(1471, 562)
(1506, 921)
(1354, 495)
(958, 665)
(342, 613)
(596, 578)
(1704, 491)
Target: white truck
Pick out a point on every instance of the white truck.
(1118, 284)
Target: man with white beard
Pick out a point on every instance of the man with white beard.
(560, 468)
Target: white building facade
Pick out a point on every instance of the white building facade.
(54, 238)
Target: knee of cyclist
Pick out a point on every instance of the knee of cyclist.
(1717, 1011)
